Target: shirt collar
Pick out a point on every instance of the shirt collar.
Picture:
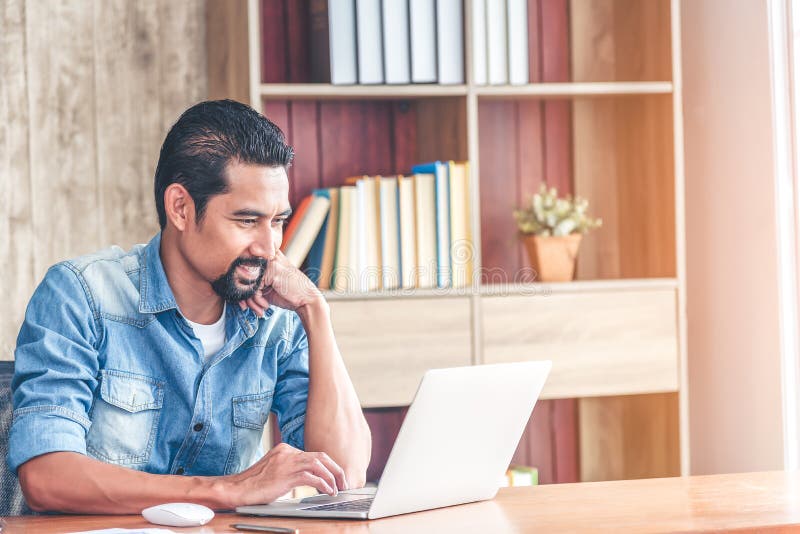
(155, 295)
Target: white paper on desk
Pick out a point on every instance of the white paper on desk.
(127, 531)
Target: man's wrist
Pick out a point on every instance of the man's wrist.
(314, 309)
(219, 492)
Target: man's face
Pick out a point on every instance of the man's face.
(241, 230)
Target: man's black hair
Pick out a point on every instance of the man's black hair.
(205, 139)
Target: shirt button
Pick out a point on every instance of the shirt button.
(179, 471)
(198, 427)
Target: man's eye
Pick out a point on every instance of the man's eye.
(279, 222)
(248, 222)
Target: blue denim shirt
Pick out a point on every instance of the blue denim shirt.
(106, 366)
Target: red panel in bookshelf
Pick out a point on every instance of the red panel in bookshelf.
(384, 423)
(549, 442)
(306, 171)
(555, 40)
(298, 28)
(404, 137)
(499, 173)
(273, 41)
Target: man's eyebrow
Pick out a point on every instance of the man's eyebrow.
(249, 212)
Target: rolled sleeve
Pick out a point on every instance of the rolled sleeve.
(56, 367)
(291, 390)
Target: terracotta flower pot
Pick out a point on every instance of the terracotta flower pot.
(553, 257)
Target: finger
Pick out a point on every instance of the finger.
(315, 466)
(255, 307)
(259, 299)
(335, 469)
(306, 478)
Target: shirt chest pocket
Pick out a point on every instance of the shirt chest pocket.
(125, 418)
(250, 413)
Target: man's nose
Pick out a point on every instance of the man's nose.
(265, 245)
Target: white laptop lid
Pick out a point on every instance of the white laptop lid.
(458, 436)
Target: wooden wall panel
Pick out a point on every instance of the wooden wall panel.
(126, 33)
(16, 229)
(89, 89)
(183, 78)
(227, 50)
(63, 152)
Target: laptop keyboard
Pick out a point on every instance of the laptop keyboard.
(360, 505)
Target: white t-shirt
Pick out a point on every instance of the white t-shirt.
(212, 336)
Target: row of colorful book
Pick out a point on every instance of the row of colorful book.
(381, 232)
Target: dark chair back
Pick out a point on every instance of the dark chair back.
(12, 501)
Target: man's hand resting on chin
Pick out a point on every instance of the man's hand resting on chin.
(283, 285)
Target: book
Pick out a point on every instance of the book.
(450, 41)
(369, 45)
(479, 41)
(294, 222)
(346, 262)
(461, 247)
(425, 208)
(389, 232)
(331, 232)
(368, 231)
(313, 267)
(333, 42)
(517, 41)
(396, 47)
(496, 42)
(422, 31)
(442, 218)
(308, 228)
(408, 231)
(520, 475)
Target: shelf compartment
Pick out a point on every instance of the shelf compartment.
(334, 139)
(601, 343)
(386, 364)
(615, 152)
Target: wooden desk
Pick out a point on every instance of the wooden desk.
(744, 502)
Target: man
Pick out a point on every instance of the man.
(146, 376)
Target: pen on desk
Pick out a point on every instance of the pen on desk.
(261, 528)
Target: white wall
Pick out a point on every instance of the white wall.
(732, 285)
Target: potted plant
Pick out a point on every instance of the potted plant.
(552, 229)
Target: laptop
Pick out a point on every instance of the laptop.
(454, 446)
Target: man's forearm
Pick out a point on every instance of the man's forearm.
(72, 482)
(335, 423)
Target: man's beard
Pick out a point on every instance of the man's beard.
(232, 288)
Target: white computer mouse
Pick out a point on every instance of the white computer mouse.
(178, 514)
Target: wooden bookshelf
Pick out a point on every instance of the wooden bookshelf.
(601, 118)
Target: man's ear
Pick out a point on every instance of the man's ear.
(179, 206)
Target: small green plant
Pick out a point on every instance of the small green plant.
(549, 215)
